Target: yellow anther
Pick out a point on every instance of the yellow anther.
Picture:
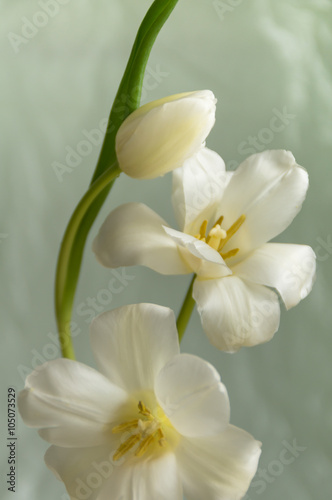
(218, 237)
(203, 228)
(144, 432)
(158, 434)
(143, 410)
(202, 231)
(161, 437)
(144, 445)
(142, 407)
(126, 446)
(219, 221)
(125, 426)
(230, 253)
(232, 230)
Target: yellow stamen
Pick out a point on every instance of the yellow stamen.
(161, 435)
(230, 253)
(143, 410)
(125, 426)
(215, 236)
(149, 440)
(231, 231)
(218, 237)
(219, 221)
(145, 431)
(202, 230)
(144, 445)
(126, 446)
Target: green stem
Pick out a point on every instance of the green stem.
(128, 95)
(126, 101)
(186, 310)
(63, 300)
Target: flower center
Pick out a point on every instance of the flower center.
(145, 430)
(218, 237)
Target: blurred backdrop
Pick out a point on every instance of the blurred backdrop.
(62, 61)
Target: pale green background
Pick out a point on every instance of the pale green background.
(264, 54)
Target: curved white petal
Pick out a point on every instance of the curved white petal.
(85, 472)
(71, 403)
(288, 268)
(160, 136)
(269, 189)
(198, 187)
(156, 479)
(193, 398)
(195, 246)
(218, 467)
(200, 257)
(132, 343)
(235, 313)
(91, 474)
(132, 235)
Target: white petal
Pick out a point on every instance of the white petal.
(198, 187)
(235, 313)
(193, 398)
(156, 479)
(288, 268)
(132, 235)
(200, 257)
(160, 136)
(71, 403)
(132, 343)
(91, 474)
(86, 472)
(197, 247)
(269, 189)
(218, 467)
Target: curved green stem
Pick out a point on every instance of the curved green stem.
(127, 100)
(186, 310)
(63, 296)
(128, 95)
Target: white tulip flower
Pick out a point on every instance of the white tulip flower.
(154, 424)
(226, 220)
(159, 136)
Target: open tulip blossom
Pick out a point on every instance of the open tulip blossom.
(153, 425)
(159, 136)
(226, 220)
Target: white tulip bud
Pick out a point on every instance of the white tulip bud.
(159, 136)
